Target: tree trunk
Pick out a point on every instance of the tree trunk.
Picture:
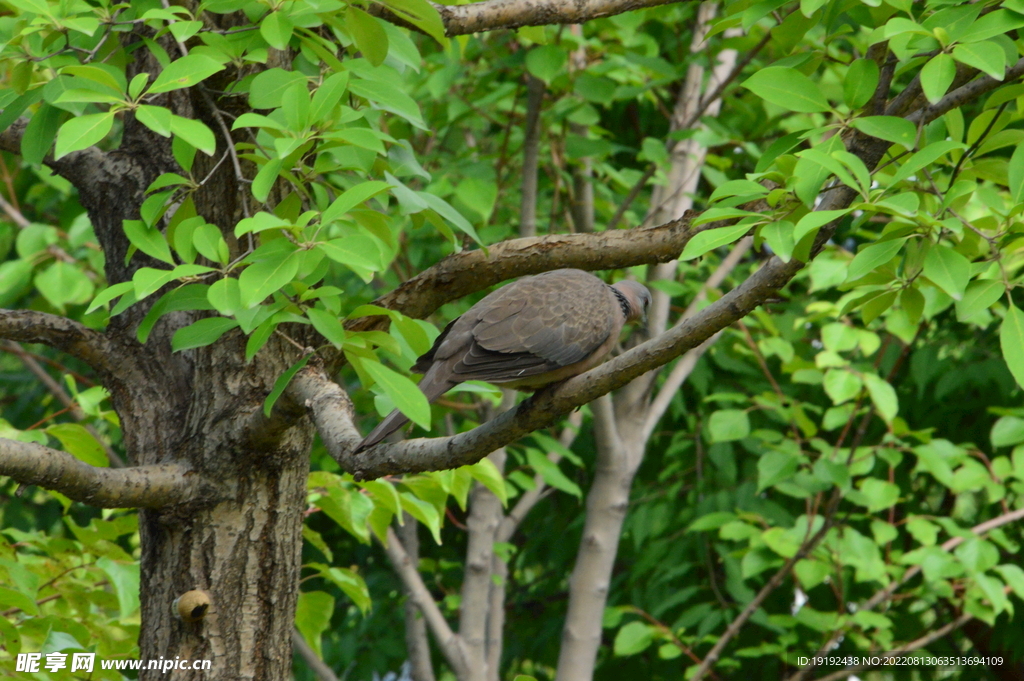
(202, 408)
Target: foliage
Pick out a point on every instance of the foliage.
(880, 396)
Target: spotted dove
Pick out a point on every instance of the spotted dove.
(536, 331)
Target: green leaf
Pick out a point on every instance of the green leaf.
(351, 198)
(925, 157)
(788, 88)
(546, 62)
(103, 74)
(188, 297)
(185, 72)
(149, 240)
(265, 179)
(389, 99)
(1015, 174)
(726, 425)
(268, 88)
(937, 75)
(64, 284)
(370, 37)
(125, 579)
(479, 195)
(156, 118)
(328, 326)
(82, 132)
(355, 250)
(404, 393)
(883, 396)
(210, 243)
(551, 473)
(1009, 430)
(1011, 340)
(873, 256)
(488, 475)
(201, 333)
(986, 56)
(842, 385)
(262, 278)
(875, 494)
(281, 383)
(225, 296)
(80, 443)
(195, 133)
(39, 133)
(108, 294)
(277, 29)
(313, 617)
(710, 239)
(860, 82)
(948, 270)
(445, 210)
(633, 638)
(889, 128)
(421, 14)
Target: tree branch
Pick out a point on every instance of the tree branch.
(416, 644)
(312, 660)
(498, 14)
(139, 487)
(916, 644)
(448, 641)
(81, 168)
(467, 272)
(62, 396)
(81, 342)
(966, 93)
(885, 594)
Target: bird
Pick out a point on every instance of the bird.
(538, 330)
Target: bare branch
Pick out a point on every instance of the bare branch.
(139, 487)
(448, 641)
(312, 660)
(463, 273)
(62, 396)
(92, 347)
(498, 14)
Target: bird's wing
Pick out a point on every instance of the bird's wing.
(533, 326)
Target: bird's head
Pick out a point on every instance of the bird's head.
(637, 299)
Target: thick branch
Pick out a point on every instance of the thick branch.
(467, 272)
(92, 347)
(497, 14)
(140, 487)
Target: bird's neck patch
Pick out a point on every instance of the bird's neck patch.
(627, 309)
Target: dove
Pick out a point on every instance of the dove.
(536, 331)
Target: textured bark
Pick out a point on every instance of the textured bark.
(189, 415)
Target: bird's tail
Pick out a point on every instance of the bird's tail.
(432, 386)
